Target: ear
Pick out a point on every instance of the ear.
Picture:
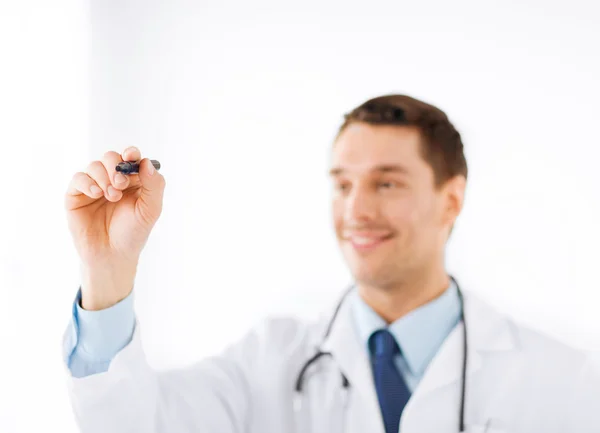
(454, 197)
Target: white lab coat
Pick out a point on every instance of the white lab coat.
(518, 381)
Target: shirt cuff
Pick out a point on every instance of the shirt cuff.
(104, 333)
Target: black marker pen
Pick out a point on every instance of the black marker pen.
(133, 167)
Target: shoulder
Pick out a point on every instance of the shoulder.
(534, 341)
(550, 375)
(535, 346)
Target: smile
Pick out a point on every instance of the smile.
(364, 243)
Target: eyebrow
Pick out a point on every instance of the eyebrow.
(386, 168)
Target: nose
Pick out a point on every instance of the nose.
(360, 205)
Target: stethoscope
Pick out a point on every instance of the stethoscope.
(298, 388)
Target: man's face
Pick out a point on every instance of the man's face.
(389, 219)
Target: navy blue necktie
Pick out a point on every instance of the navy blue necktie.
(391, 389)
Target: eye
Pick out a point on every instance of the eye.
(342, 186)
(387, 185)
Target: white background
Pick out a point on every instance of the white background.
(240, 102)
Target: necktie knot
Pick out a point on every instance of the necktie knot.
(382, 344)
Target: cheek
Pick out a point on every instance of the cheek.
(337, 212)
(402, 214)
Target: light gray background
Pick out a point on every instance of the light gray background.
(240, 102)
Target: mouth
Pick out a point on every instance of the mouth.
(367, 242)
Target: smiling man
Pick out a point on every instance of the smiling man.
(397, 192)
(406, 350)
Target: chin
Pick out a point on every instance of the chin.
(370, 276)
(379, 273)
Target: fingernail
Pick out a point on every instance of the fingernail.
(150, 169)
(119, 178)
(95, 190)
(131, 149)
(111, 191)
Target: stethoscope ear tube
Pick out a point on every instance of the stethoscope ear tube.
(461, 423)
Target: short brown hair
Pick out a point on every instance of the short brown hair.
(442, 147)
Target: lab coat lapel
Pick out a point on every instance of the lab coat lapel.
(363, 413)
(487, 332)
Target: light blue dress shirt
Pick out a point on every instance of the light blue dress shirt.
(95, 337)
(419, 334)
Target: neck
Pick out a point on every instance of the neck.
(394, 302)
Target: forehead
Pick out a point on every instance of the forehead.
(363, 147)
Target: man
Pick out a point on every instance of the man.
(391, 355)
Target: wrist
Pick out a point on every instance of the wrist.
(105, 285)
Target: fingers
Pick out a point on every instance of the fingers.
(101, 179)
(117, 180)
(82, 191)
(153, 186)
(82, 184)
(97, 171)
(131, 154)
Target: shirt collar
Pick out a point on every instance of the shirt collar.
(420, 333)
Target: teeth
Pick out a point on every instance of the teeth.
(364, 241)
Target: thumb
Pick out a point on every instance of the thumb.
(150, 201)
